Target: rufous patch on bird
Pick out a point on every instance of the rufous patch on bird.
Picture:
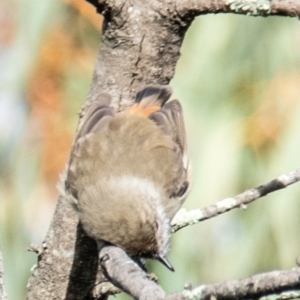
(137, 109)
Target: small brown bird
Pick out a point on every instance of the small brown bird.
(128, 172)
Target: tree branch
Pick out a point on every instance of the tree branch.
(126, 274)
(250, 288)
(2, 287)
(192, 8)
(185, 218)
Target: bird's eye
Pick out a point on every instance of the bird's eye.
(156, 225)
(183, 189)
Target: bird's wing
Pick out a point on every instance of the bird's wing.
(95, 119)
(96, 116)
(170, 119)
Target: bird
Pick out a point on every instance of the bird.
(129, 172)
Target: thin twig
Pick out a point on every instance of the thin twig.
(185, 218)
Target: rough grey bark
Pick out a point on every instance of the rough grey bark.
(140, 45)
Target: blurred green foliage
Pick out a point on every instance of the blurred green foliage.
(239, 82)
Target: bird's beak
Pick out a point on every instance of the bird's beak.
(164, 260)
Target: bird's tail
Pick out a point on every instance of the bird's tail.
(151, 99)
